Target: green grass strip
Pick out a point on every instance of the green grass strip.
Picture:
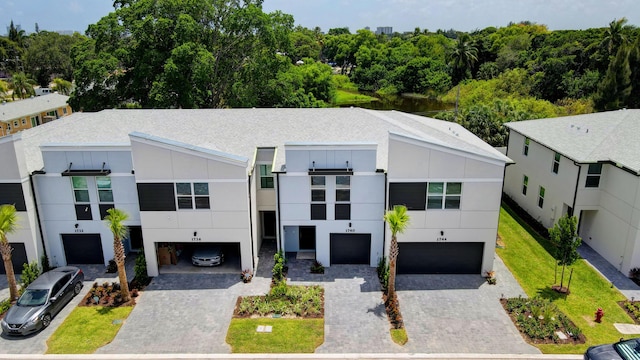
(287, 336)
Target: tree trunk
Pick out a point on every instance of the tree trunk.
(5, 250)
(393, 257)
(118, 250)
(455, 114)
(562, 278)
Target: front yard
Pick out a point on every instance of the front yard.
(524, 253)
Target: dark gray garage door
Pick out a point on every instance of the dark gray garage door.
(350, 249)
(83, 248)
(440, 258)
(18, 257)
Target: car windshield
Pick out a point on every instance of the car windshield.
(629, 349)
(33, 297)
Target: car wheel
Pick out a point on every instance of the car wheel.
(77, 288)
(46, 320)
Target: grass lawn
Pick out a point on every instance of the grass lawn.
(526, 256)
(86, 329)
(288, 335)
(344, 97)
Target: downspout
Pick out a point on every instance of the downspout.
(35, 205)
(384, 223)
(575, 196)
(253, 257)
(279, 242)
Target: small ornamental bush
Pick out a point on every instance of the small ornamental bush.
(30, 272)
(539, 319)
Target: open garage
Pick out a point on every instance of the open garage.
(176, 258)
(350, 249)
(440, 258)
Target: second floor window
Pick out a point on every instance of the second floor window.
(80, 189)
(593, 175)
(193, 195)
(556, 163)
(444, 195)
(266, 178)
(525, 184)
(525, 150)
(541, 197)
(318, 198)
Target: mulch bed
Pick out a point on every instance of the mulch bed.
(238, 315)
(107, 295)
(632, 315)
(581, 338)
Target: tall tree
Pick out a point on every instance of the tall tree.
(48, 55)
(8, 225)
(16, 35)
(614, 90)
(21, 85)
(177, 53)
(462, 57)
(115, 221)
(564, 235)
(614, 35)
(398, 220)
(62, 86)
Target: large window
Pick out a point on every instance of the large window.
(525, 150)
(266, 178)
(593, 175)
(192, 195)
(444, 195)
(556, 163)
(105, 195)
(343, 197)
(541, 197)
(318, 198)
(525, 184)
(81, 197)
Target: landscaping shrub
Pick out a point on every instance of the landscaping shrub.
(140, 279)
(317, 267)
(4, 306)
(112, 267)
(539, 319)
(30, 272)
(383, 273)
(298, 301)
(279, 268)
(633, 309)
(44, 261)
(107, 294)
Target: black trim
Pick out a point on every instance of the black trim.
(343, 211)
(156, 196)
(411, 194)
(318, 211)
(35, 203)
(12, 194)
(83, 212)
(86, 172)
(330, 172)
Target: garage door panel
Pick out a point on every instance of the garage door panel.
(440, 258)
(83, 248)
(18, 258)
(350, 249)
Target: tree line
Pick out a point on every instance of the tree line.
(229, 53)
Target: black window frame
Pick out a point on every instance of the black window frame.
(594, 173)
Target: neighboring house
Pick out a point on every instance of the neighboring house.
(587, 166)
(317, 181)
(24, 114)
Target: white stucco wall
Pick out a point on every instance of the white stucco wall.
(477, 219)
(366, 196)
(227, 220)
(559, 188)
(57, 203)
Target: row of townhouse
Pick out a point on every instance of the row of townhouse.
(24, 114)
(315, 181)
(587, 166)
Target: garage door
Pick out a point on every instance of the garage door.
(83, 248)
(18, 257)
(350, 249)
(440, 258)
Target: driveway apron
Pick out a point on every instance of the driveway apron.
(183, 313)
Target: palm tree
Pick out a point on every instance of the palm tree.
(62, 86)
(22, 85)
(4, 89)
(614, 36)
(8, 224)
(114, 221)
(398, 220)
(462, 57)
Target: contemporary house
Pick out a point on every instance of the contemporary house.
(24, 114)
(315, 181)
(587, 166)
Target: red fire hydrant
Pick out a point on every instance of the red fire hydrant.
(599, 315)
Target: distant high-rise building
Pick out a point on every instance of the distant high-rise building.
(387, 30)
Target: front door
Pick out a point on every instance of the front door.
(307, 237)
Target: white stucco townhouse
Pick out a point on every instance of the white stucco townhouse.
(317, 181)
(583, 165)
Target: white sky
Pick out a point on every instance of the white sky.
(402, 15)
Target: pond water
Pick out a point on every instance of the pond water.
(410, 103)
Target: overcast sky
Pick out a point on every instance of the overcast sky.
(402, 15)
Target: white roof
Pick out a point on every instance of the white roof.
(31, 106)
(589, 138)
(241, 131)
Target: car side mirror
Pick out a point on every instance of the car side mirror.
(53, 299)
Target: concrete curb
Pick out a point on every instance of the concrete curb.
(293, 356)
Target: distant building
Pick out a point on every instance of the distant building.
(20, 115)
(386, 30)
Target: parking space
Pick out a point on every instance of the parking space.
(182, 264)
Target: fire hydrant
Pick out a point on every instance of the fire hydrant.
(599, 315)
